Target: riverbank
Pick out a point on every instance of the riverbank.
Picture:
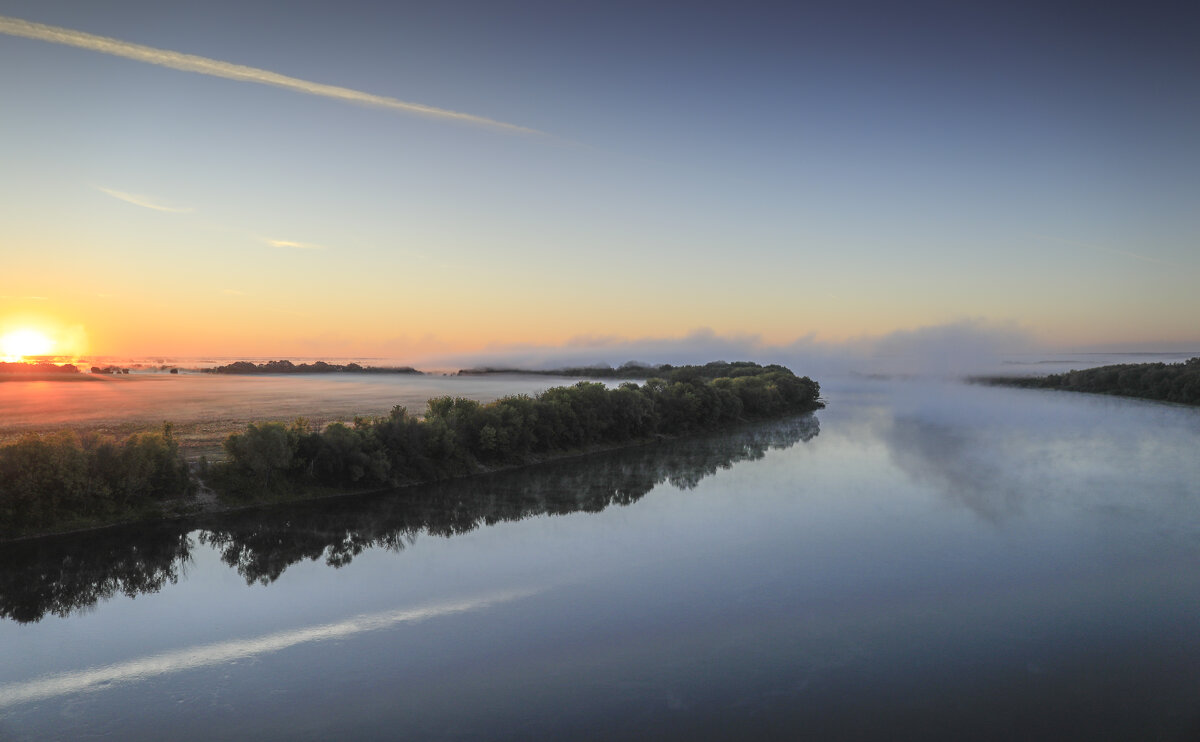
(1164, 382)
(49, 484)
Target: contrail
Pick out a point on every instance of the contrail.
(142, 201)
(229, 71)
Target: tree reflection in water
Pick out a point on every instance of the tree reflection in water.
(68, 573)
(63, 575)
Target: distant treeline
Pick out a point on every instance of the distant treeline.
(1168, 382)
(42, 367)
(320, 367)
(634, 370)
(60, 576)
(461, 436)
(65, 480)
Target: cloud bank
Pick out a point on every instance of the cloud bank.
(955, 349)
(240, 73)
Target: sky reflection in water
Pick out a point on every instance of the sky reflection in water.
(941, 560)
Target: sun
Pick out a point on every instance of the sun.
(20, 344)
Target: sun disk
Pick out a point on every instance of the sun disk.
(23, 344)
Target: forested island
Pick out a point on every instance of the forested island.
(630, 370)
(318, 367)
(1166, 382)
(64, 481)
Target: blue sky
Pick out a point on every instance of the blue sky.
(793, 170)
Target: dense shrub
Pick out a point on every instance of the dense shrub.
(49, 479)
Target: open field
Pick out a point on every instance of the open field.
(205, 408)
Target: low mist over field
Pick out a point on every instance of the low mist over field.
(205, 408)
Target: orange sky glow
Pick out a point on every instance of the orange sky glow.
(174, 193)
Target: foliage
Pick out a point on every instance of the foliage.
(47, 480)
(461, 436)
(1168, 382)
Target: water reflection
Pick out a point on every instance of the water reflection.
(64, 575)
(189, 658)
(946, 459)
(1005, 456)
(59, 576)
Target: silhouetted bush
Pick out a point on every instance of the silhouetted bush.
(40, 367)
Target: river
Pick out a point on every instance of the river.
(921, 560)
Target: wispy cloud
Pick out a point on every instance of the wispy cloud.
(293, 244)
(230, 71)
(1109, 250)
(26, 298)
(142, 201)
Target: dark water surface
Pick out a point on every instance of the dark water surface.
(919, 560)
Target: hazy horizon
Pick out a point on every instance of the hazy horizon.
(953, 349)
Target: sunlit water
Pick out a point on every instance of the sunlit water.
(918, 561)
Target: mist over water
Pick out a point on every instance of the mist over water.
(922, 559)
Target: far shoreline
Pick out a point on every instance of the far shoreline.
(1171, 383)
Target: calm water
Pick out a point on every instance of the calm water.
(919, 560)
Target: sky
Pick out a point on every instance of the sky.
(413, 180)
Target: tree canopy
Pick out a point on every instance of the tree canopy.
(1167, 382)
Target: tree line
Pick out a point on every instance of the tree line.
(1167, 382)
(318, 367)
(40, 367)
(65, 479)
(459, 436)
(631, 370)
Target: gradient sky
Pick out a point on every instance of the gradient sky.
(795, 170)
